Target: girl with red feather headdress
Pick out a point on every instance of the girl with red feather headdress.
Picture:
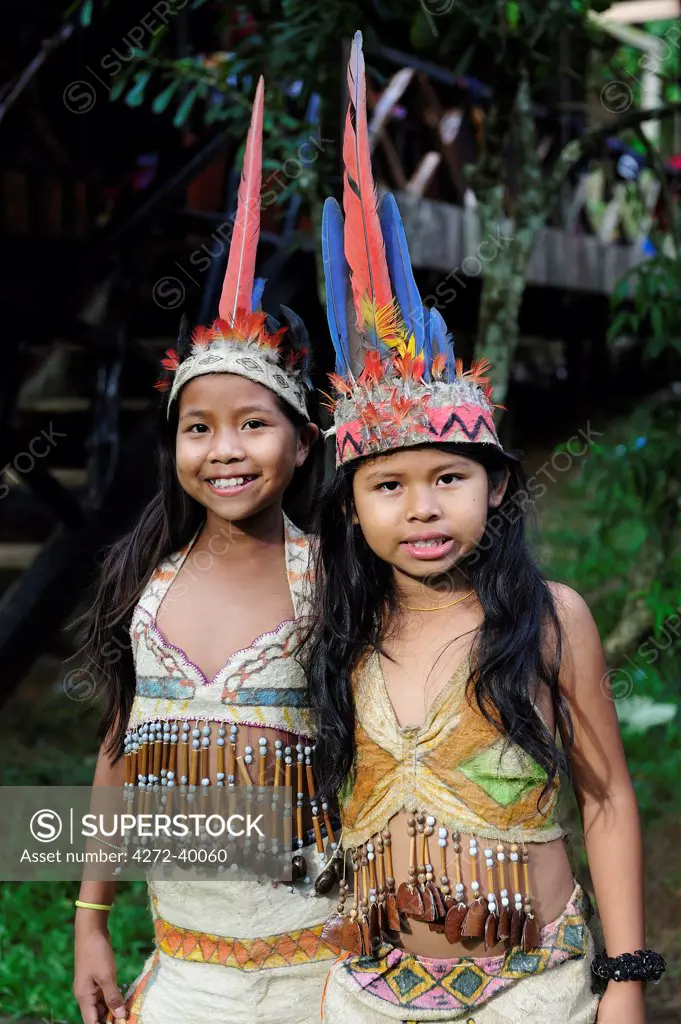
(203, 603)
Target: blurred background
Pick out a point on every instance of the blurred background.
(535, 151)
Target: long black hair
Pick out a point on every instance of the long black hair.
(356, 597)
(167, 524)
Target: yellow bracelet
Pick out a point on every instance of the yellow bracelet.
(93, 906)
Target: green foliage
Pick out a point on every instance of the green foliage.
(647, 302)
(49, 740)
(617, 541)
(36, 945)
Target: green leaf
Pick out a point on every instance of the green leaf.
(86, 13)
(184, 110)
(135, 97)
(628, 535)
(119, 86)
(512, 15)
(163, 99)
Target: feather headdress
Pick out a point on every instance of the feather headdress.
(397, 381)
(243, 339)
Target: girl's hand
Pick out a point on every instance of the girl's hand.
(622, 1001)
(94, 983)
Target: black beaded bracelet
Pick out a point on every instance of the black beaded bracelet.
(643, 965)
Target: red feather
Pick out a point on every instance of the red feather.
(171, 361)
(439, 363)
(364, 246)
(202, 335)
(373, 367)
(237, 290)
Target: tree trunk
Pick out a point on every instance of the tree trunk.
(504, 275)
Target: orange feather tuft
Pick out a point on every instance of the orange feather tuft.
(237, 290)
(439, 363)
(364, 246)
(202, 335)
(171, 361)
(373, 367)
(339, 384)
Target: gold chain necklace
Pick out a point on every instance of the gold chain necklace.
(440, 607)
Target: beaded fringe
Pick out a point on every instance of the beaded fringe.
(161, 756)
(498, 907)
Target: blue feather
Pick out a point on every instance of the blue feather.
(399, 266)
(336, 274)
(442, 341)
(427, 345)
(258, 289)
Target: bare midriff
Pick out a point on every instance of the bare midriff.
(550, 876)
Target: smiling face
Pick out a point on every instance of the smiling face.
(423, 510)
(236, 450)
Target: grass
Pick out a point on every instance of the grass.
(47, 739)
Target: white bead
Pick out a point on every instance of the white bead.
(430, 820)
(205, 742)
(308, 751)
(489, 862)
(487, 852)
(501, 855)
(248, 750)
(287, 760)
(206, 730)
(248, 759)
(184, 780)
(370, 847)
(220, 741)
(505, 901)
(514, 856)
(171, 775)
(371, 856)
(504, 892)
(196, 733)
(196, 744)
(325, 806)
(173, 738)
(459, 886)
(475, 886)
(220, 775)
(278, 744)
(170, 783)
(491, 906)
(442, 842)
(442, 832)
(299, 748)
(221, 731)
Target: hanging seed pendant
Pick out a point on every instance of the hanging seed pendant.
(454, 920)
(491, 931)
(530, 935)
(351, 934)
(516, 929)
(473, 925)
(504, 925)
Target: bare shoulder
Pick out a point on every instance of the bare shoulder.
(582, 651)
(573, 612)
